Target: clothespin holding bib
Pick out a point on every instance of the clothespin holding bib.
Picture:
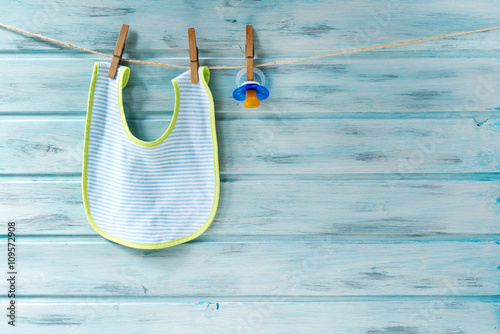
(193, 55)
(250, 91)
(117, 54)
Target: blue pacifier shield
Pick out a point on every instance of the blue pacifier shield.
(239, 94)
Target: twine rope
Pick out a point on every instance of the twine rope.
(382, 46)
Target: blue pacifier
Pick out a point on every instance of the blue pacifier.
(251, 91)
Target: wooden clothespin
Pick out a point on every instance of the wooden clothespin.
(193, 55)
(117, 54)
(249, 53)
(251, 92)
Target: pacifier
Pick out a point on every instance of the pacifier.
(250, 91)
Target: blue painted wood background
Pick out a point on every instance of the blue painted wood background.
(362, 197)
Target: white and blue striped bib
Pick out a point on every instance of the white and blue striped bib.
(150, 194)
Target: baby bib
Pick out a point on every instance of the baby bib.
(150, 194)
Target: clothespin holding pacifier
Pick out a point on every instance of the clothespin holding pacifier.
(250, 91)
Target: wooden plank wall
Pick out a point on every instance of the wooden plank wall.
(362, 197)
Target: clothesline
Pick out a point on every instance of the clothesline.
(382, 46)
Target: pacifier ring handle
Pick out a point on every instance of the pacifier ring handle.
(256, 71)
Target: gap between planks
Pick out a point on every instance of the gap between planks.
(71, 116)
(93, 239)
(11, 178)
(154, 300)
(181, 56)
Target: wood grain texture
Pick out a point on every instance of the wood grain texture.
(289, 207)
(285, 266)
(451, 83)
(362, 197)
(282, 145)
(298, 25)
(272, 316)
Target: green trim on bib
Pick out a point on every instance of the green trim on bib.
(122, 82)
(204, 75)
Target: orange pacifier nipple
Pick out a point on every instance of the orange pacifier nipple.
(251, 101)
